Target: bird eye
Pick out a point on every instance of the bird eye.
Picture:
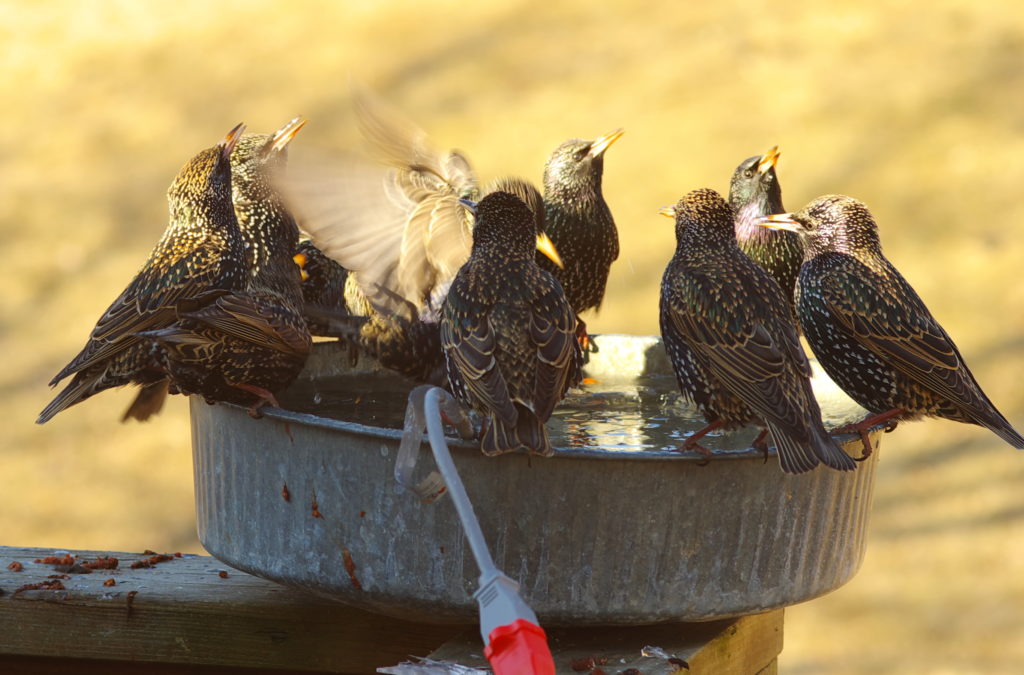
(581, 153)
(749, 173)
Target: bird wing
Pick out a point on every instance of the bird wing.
(744, 355)
(883, 313)
(151, 301)
(469, 342)
(396, 220)
(553, 331)
(262, 322)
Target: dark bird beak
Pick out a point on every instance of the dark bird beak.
(283, 136)
(547, 247)
(768, 160)
(601, 144)
(780, 221)
(300, 260)
(668, 211)
(469, 204)
(227, 144)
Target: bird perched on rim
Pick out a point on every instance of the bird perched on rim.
(397, 224)
(578, 220)
(871, 331)
(508, 331)
(253, 342)
(269, 236)
(754, 192)
(200, 255)
(732, 342)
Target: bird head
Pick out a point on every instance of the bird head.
(577, 165)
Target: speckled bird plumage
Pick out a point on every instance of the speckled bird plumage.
(731, 339)
(398, 225)
(755, 192)
(245, 346)
(200, 253)
(871, 331)
(508, 331)
(578, 220)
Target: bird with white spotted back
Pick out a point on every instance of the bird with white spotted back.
(871, 331)
(199, 257)
(755, 192)
(508, 331)
(732, 342)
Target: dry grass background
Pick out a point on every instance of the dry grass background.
(917, 109)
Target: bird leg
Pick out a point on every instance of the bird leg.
(761, 444)
(263, 398)
(586, 344)
(691, 441)
(861, 428)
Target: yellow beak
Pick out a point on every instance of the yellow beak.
(601, 144)
(768, 160)
(780, 221)
(300, 260)
(284, 135)
(547, 247)
(668, 211)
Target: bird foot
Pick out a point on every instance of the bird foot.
(761, 443)
(861, 428)
(263, 397)
(692, 444)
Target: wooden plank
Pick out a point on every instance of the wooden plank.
(182, 611)
(746, 646)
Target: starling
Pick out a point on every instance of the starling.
(200, 255)
(754, 193)
(241, 347)
(508, 331)
(253, 342)
(870, 330)
(579, 221)
(268, 229)
(269, 235)
(398, 225)
(323, 288)
(732, 342)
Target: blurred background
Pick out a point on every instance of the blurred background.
(918, 110)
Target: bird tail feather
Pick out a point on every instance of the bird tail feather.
(148, 402)
(527, 434)
(84, 385)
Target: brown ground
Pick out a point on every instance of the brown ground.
(916, 110)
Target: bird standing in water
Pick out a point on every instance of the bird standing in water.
(754, 192)
(199, 256)
(254, 342)
(871, 331)
(732, 342)
(508, 331)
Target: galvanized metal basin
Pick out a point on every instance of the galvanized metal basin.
(594, 537)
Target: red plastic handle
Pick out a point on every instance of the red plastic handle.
(519, 648)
